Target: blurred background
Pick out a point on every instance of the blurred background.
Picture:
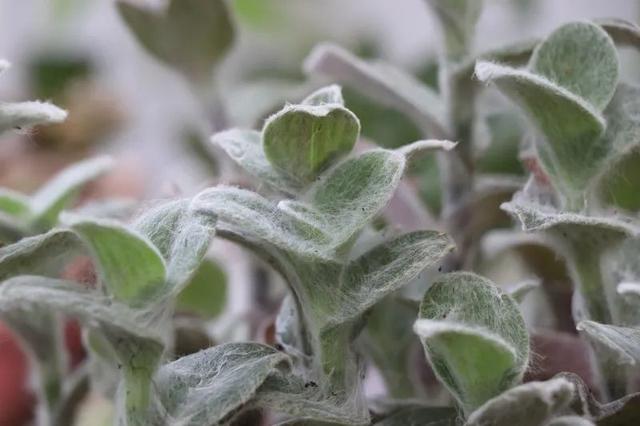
(80, 55)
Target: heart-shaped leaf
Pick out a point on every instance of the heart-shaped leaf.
(580, 57)
(572, 151)
(474, 337)
(301, 141)
(189, 35)
(531, 404)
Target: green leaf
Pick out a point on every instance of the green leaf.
(531, 404)
(580, 57)
(130, 267)
(386, 268)
(458, 19)
(46, 254)
(59, 192)
(192, 36)
(623, 33)
(572, 151)
(245, 148)
(301, 141)
(206, 293)
(474, 337)
(382, 83)
(26, 114)
(212, 386)
(623, 343)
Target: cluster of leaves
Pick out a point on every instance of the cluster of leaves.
(321, 219)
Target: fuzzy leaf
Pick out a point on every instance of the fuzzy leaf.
(458, 19)
(189, 35)
(572, 151)
(46, 254)
(59, 192)
(206, 293)
(245, 148)
(382, 83)
(581, 58)
(211, 386)
(622, 342)
(182, 234)
(136, 347)
(386, 268)
(339, 205)
(130, 267)
(25, 114)
(301, 141)
(474, 337)
(531, 404)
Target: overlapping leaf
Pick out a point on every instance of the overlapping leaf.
(474, 337)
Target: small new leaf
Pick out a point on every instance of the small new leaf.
(302, 140)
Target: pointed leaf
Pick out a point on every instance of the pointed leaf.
(59, 192)
(25, 114)
(623, 343)
(189, 35)
(301, 141)
(383, 84)
(520, 290)
(245, 148)
(474, 337)
(572, 151)
(531, 404)
(213, 385)
(580, 57)
(130, 267)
